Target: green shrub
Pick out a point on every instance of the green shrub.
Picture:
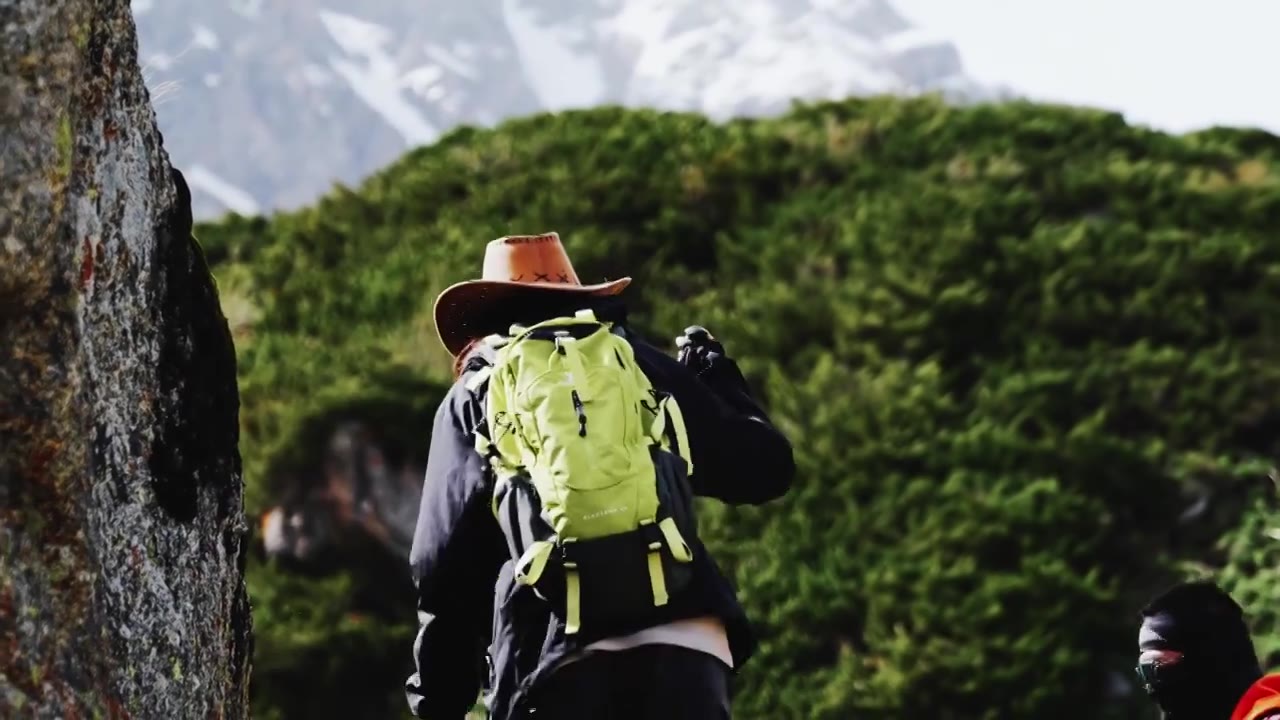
(1012, 344)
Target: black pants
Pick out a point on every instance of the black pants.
(650, 682)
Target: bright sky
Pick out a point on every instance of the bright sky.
(1174, 64)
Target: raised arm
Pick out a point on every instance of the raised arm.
(739, 456)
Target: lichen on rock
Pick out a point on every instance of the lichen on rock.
(122, 537)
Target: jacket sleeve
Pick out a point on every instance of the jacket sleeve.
(739, 457)
(457, 552)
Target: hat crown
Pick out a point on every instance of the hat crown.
(534, 259)
(516, 267)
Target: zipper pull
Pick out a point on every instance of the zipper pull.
(582, 414)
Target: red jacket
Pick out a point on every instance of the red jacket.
(1262, 700)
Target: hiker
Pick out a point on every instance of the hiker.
(1197, 660)
(535, 624)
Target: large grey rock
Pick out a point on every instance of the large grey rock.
(121, 522)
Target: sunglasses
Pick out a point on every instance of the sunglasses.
(1149, 665)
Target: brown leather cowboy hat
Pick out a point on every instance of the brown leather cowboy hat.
(515, 266)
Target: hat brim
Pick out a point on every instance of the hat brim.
(462, 311)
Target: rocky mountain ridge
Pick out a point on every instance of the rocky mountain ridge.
(266, 105)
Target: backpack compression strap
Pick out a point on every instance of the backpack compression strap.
(528, 570)
(533, 562)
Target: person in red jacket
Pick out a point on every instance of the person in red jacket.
(1197, 661)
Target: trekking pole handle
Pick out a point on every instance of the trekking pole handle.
(693, 344)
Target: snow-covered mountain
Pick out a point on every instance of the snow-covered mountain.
(265, 105)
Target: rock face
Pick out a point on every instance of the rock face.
(121, 521)
(357, 494)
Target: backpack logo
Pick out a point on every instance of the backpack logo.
(607, 511)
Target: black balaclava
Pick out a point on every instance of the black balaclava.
(1218, 662)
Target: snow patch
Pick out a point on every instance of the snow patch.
(749, 58)
(849, 10)
(246, 8)
(159, 61)
(559, 76)
(355, 36)
(644, 23)
(424, 80)
(758, 13)
(448, 104)
(315, 75)
(913, 39)
(232, 197)
(376, 81)
(451, 61)
(203, 37)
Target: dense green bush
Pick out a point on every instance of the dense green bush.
(1012, 344)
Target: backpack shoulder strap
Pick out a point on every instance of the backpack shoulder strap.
(479, 381)
(481, 365)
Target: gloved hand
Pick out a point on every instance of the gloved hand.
(698, 349)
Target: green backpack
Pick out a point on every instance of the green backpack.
(592, 468)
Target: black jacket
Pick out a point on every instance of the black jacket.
(477, 628)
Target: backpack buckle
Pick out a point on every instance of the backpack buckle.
(651, 533)
(562, 340)
(568, 555)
